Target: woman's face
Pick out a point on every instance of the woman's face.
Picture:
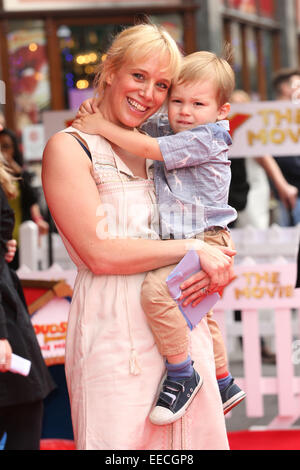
(7, 148)
(136, 91)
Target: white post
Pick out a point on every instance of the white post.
(28, 245)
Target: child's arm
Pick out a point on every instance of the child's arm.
(132, 141)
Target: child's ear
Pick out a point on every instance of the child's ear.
(224, 110)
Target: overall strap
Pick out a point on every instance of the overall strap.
(82, 145)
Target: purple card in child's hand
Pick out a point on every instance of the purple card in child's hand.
(188, 266)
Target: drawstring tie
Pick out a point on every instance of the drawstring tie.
(134, 367)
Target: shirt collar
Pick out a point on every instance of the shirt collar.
(224, 123)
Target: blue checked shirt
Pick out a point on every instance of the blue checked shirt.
(192, 183)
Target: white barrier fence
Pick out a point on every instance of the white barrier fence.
(263, 292)
(259, 287)
(256, 287)
(261, 245)
(264, 245)
(34, 249)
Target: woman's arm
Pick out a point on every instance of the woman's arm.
(37, 217)
(75, 204)
(139, 144)
(287, 193)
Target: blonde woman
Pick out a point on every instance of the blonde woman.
(21, 398)
(102, 199)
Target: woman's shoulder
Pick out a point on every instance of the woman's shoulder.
(60, 141)
(57, 140)
(94, 143)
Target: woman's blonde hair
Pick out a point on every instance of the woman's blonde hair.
(7, 180)
(134, 44)
(204, 65)
(240, 96)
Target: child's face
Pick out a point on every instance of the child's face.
(193, 104)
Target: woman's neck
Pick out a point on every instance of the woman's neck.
(136, 164)
(108, 114)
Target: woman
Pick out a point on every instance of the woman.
(105, 211)
(25, 205)
(21, 398)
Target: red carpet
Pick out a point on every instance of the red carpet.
(239, 440)
(57, 444)
(264, 440)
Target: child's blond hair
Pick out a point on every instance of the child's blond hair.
(204, 65)
(133, 45)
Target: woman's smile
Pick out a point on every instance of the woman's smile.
(136, 106)
(136, 91)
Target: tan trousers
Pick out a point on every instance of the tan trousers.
(168, 325)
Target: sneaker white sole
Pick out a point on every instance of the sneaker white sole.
(233, 401)
(162, 420)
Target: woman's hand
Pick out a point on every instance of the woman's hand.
(5, 355)
(11, 247)
(38, 219)
(217, 272)
(43, 226)
(288, 195)
(195, 288)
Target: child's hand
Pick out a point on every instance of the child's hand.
(89, 106)
(85, 108)
(88, 123)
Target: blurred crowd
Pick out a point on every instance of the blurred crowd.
(265, 190)
(26, 203)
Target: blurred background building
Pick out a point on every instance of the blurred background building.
(49, 49)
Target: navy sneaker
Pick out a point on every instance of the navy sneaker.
(174, 399)
(232, 395)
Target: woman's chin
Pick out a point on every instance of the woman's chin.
(134, 120)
